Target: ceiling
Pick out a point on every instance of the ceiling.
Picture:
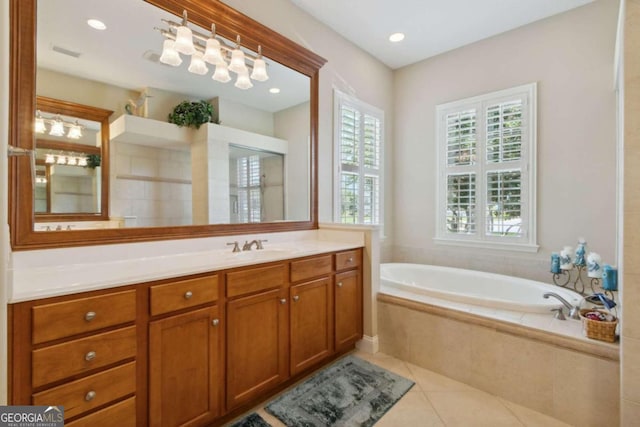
(431, 26)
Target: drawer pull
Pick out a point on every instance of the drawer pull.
(90, 316)
(350, 259)
(188, 295)
(339, 284)
(283, 301)
(296, 298)
(90, 356)
(215, 322)
(90, 396)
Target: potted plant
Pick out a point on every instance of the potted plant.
(191, 113)
(93, 161)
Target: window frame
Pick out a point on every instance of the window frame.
(339, 99)
(527, 164)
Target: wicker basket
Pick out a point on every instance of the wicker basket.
(598, 330)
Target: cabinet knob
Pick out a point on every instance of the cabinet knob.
(296, 298)
(350, 259)
(215, 322)
(283, 301)
(188, 295)
(90, 316)
(339, 284)
(90, 356)
(90, 396)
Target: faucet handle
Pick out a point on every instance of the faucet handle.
(259, 243)
(236, 247)
(559, 313)
(246, 246)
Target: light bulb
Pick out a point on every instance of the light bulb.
(72, 161)
(259, 70)
(184, 40)
(222, 73)
(62, 160)
(169, 54)
(212, 53)
(40, 127)
(243, 81)
(49, 158)
(197, 65)
(82, 161)
(57, 128)
(237, 64)
(75, 132)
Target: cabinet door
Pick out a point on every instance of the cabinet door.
(311, 337)
(257, 345)
(348, 306)
(184, 368)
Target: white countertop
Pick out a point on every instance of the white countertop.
(29, 281)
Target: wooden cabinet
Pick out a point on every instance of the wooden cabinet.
(184, 351)
(185, 375)
(311, 323)
(257, 345)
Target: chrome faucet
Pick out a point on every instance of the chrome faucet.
(574, 311)
(247, 245)
(236, 248)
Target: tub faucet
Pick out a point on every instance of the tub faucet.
(574, 311)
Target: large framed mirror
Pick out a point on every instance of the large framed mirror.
(163, 181)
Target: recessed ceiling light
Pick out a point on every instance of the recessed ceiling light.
(396, 37)
(274, 90)
(98, 25)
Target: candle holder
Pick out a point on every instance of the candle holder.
(572, 279)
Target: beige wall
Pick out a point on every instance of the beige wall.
(630, 367)
(571, 57)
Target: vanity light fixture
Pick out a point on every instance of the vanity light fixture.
(180, 39)
(49, 158)
(82, 161)
(60, 159)
(57, 126)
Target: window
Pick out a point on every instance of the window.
(249, 189)
(359, 130)
(486, 170)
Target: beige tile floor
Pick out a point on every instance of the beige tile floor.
(436, 400)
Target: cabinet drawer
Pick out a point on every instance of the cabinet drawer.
(348, 259)
(82, 395)
(183, 294)
(64, 319)
(255, 279)
(308, 268)
(60, 361)
(122, 414)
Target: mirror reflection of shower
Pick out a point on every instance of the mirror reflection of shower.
(256, 188)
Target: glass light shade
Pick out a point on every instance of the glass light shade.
(72, 161)
(237, 64)
(40, 127)
(75, 132)
(212, 53)
(49, 159)
(184, 41)
(197, 65)
(169, 55)
(243, 81)
(222, 73)
(62, 160)
(57, 128)
(82, 161)
(259, 72)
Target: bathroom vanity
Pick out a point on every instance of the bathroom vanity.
(186, 350)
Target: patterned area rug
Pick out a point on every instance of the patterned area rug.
(252, 420)
(351, 392)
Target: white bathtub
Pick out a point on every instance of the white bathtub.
(472, 287)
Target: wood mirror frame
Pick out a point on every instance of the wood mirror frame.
(229, 23)
(100, 115)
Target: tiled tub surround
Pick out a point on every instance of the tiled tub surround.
(53, 272)
(546, 365)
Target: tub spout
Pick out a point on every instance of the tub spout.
(574, 312)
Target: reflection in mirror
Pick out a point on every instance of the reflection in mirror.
(162, 174)
(70, 143)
